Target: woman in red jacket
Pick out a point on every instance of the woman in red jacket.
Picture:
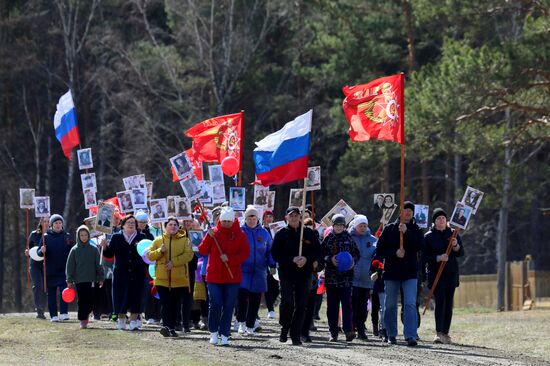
(227, 248)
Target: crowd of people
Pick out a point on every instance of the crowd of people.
(219, 285)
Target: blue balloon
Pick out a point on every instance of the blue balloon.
(344, 260)
(142, 245)
(152, 270)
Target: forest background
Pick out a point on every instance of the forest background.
(143, 71)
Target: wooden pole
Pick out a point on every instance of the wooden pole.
(440, 270)
(44, 255)
(170, 259)
(312, 208)
(302, 209)
(205, 216)
(402, 194)
(27, 250)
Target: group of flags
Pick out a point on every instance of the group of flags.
(374, 111)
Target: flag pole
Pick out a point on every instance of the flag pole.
(44, 255)
(302, 209)
(27, 249)
(402, 194)
(241, 148)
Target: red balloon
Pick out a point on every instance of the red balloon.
(230, 165)
(68, 295)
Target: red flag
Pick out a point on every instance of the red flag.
(217, 138)
(375, 111)
(197, 166)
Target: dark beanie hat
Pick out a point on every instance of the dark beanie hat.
(408, 204)
(338, 219)
(438, 212)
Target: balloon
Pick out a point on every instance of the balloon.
(68, 294)
(152, 270)
(230, 165)
(144, 256)
(34, 255)
(344, 260)
(142, 245)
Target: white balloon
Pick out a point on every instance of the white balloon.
(34, 255)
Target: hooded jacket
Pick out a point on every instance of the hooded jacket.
(255, 267)
(234, 245)
(83, 261)
(367, 249)
(179, 251)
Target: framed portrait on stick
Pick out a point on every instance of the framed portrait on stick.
(89, 198)
(139, 198)
(313, 181)
(191, 187)
(85, 159)
(260, 195)
(183, 208)
(237, 198)
(421, 215)
(296, 197)
(182, 166)
(339, 208)
(472, 197)
(196, 237)
(26, 198)
(125, 201)
(105, 215)
(461, 215)
(90, 223)
(171, 205)
(41, 206)
(88, 181)
(158, 210)
(216, 174)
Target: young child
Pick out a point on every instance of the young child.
(83, 273)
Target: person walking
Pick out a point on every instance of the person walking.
(36, 269)
(434, 255)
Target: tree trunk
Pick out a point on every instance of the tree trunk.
(449, 186)
(502, 234)
(424, 169)
(16, 258)
(69, 191)
(2, 246)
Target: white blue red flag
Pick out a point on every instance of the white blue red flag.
(64, 123)
(283, 156)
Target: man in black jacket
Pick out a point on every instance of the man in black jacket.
(294, 272)
(400, 270)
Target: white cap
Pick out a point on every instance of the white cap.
(227, 214)
(251, 211)
(360, 219)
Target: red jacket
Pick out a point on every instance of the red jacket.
(234, 245)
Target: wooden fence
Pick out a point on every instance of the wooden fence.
(522, 285)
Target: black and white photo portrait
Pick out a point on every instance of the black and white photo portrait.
(237, 198)
(313, 182)
(472, 197)
(85, 159)
(139, 198)
(88, 181)
(216, 174)
(41, 206)
(89, 198)
(461, 215)
(183, 208)
(125, 201)
(158, 210)
(26, 198)
(181, 165)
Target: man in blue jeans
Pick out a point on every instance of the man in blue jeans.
(400, 271)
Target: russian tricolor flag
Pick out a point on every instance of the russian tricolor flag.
(64, 123)
(283, 156)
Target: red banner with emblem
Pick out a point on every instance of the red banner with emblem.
(218, 137)
(375, 111)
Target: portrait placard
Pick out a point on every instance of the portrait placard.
(461, 215)
(88, 181)
(270, 201)
(158, 210)
(421, 215)
(182, 166)
(296, 197)
(216, 174)
(472, 197)
(89, 198)
(260, 195)
(339, 208)
(191, 187)
(90, 223)
(276, 226)
(237, 198)
(41, 206)
(313, 181)
(383, 200)
(105, 214)
(171, 206)
(125, 201)
(195, 236)
(207, 196)
(139, 198)
(183, 208)
(149, 190)
(218, 191)
(388, 213)
(26, 198)
(85, 159)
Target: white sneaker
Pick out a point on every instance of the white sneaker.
(151, 321)
(242, 328)
(257, 325)
(214, 338)
(55, 319)
(271, 315)
(121, 324)
(225, 341)
(134, 325)
(139, 323)
(250, 331)
(236, 325)
(65, 317)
